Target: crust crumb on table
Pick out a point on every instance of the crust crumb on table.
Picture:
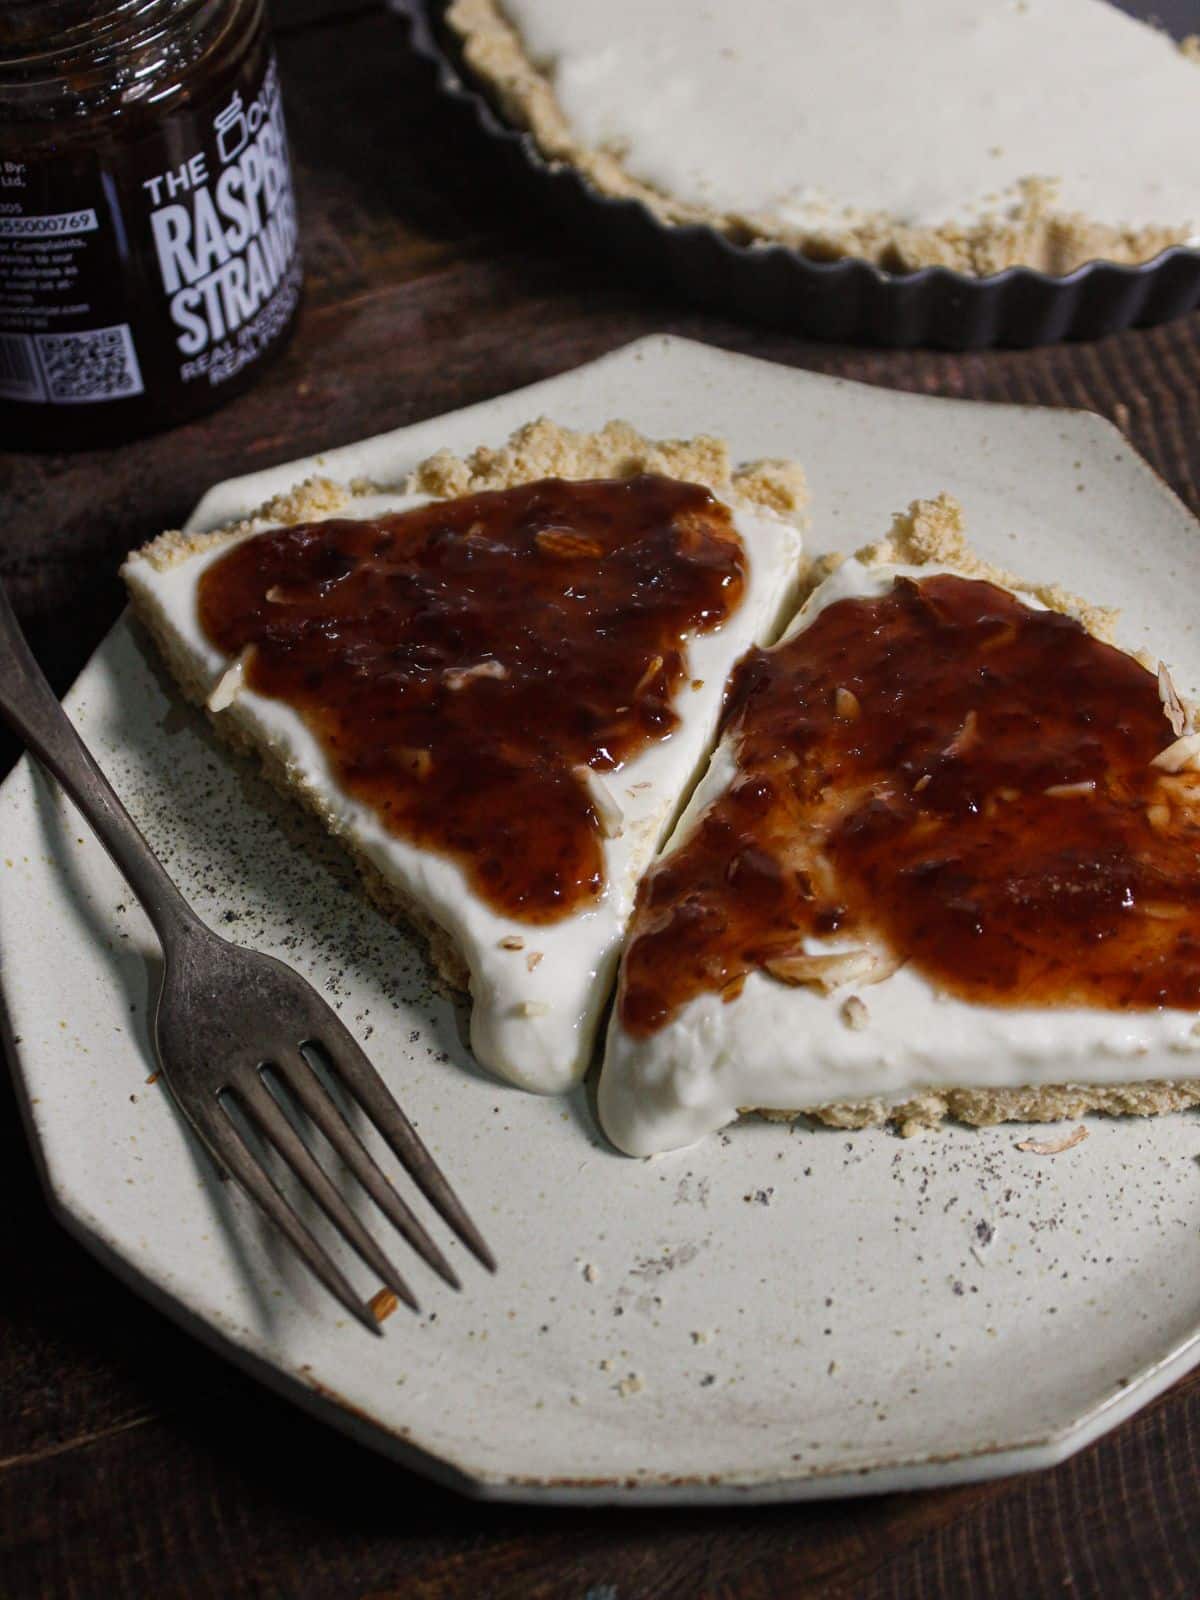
(540, 449)
(1032, 233)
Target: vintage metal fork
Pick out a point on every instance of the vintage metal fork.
(229, 1027)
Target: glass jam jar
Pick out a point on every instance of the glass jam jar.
(148, 246)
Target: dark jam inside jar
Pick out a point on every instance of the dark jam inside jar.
(944, 776)
(148, 246)
(473, 667)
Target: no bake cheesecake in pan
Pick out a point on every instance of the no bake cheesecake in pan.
(965, 173)
(971, 134)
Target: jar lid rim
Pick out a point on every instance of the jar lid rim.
(46, 35)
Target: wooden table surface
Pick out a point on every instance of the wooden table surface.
(135, 1463)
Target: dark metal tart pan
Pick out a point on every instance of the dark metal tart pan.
(852, 300)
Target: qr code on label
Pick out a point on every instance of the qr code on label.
(100, 364)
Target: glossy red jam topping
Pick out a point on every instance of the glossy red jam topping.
(466, 663)
(951, 778)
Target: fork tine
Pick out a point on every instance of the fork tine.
(225, 1142)
(368, 1088)
(303, 1082)
(256, 1099)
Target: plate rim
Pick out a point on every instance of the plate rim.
(669, 343)
(915, 1471)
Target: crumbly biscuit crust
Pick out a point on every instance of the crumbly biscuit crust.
(983, 1108)
(933, 532)
(543, 449)
(540, 449)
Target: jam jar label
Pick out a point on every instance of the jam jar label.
(224, 230)
(57, 272)
(155, 272)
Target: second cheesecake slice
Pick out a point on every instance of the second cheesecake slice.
(944, 862)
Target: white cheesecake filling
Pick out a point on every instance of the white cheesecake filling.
(782, 1047)
(532, 1022)
(931, 112)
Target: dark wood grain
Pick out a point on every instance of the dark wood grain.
(134, 1463)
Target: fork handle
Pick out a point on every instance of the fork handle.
(31, 709)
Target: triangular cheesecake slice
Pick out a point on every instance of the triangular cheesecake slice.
(945, 861)
(496, 685)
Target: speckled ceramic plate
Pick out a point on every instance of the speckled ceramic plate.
(774, 1314)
